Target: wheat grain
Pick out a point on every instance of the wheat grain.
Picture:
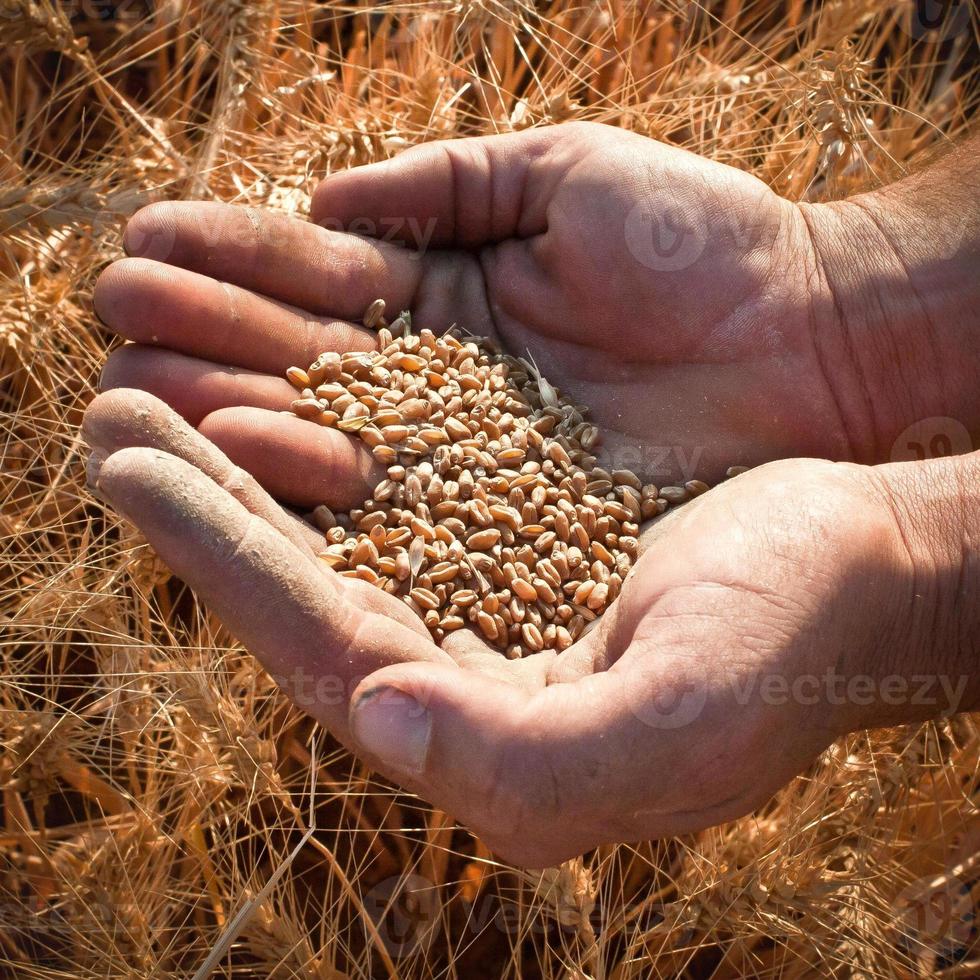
(493, 508)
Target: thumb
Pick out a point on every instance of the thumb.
(540, 776)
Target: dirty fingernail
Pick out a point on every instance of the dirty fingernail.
(394, 727)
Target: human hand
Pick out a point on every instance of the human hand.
(678, 298)
(665, 718)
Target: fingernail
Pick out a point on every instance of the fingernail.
(394, 727)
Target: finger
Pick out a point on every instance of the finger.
(464, 192)
(471, 652)
(540, 776)
(286, 258)
(295, 460)
(192, 387)
(291, 613)
(125, 418)
(154, 303)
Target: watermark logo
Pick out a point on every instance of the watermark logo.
(665, 236)
(404, 910)
(667, 699)
(931, 438)
(935, 919)
(944, 19)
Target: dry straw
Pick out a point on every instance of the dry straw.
(153, 778)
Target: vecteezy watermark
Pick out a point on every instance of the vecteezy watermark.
(248, 228)
(931, 438)
(417, 234)
(674, 698)
(655, 462)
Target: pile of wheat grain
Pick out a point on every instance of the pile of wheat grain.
(494, 511)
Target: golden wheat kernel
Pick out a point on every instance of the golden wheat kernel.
(597, 597)
(487, 625)
(649, 509)
(334, 560)
(616, 510)
(370, 519)
(484, 539)
(323, 517)
(544, 591)
(425, 598)
(455, 428)
(562, 526)
(356, 411)
(385, 490)
(627, 478)
(403, 569)
(408, 362)
(306, 408)
(545, 542)
(532, 637)
(490, 603)
(394, 433)
(479, 513)
(364, 553)
(298, 378)
(359, 389)
(445, 511)
(330, 390)
(445, 571)
(384, 454)
(386, 416)
(396, 537)
(374, 314)
(443, 534)
(602, 554)
(422, 529)
(673, 495)
(696, 487)
(525, 590)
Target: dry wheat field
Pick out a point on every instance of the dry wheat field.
(166, 812)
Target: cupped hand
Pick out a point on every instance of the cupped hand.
(703, 690)
(678, 298)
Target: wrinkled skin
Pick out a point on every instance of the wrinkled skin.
(653, 723)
